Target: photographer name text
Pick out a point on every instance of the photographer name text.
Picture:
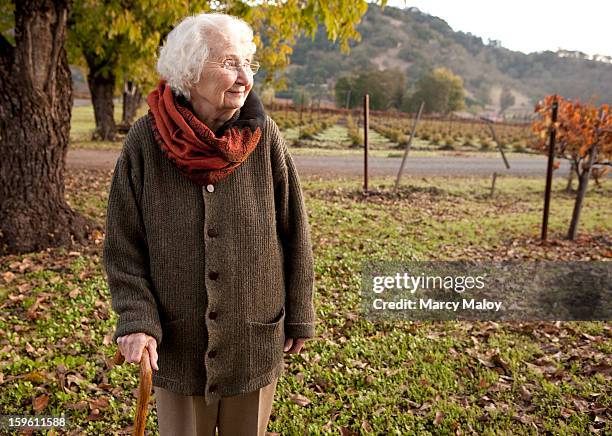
(431, 304)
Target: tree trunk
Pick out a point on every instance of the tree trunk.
(570, 178)
(35, 106)
(132, 98)
(583, 182)
(101, 83)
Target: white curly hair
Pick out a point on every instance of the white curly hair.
(190, 43)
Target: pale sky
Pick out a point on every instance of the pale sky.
(528, 25)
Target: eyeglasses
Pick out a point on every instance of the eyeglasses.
(232, 65)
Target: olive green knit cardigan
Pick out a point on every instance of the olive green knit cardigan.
(218, 275)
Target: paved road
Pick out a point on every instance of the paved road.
(344, 166)
(424, 166)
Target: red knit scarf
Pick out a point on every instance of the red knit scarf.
(201, 155)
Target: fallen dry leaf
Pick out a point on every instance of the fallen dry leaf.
(94, 415)
(525, 394)
(99, 403)
(81, 405)
(8, 276)
(300, 400)
(39, 403)
(365, 425)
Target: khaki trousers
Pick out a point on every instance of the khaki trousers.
(188, 415)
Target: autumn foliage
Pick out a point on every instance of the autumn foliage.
(583, 132)
(583, 135)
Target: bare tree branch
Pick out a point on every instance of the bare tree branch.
(577, 166)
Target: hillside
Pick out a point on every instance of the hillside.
(415, 42)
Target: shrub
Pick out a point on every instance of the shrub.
(519, 147)
(353, 132)
(309, 132)
(486, 144)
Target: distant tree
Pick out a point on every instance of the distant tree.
(583, 136)
(300, 96)
(385, 87)
(343, 91)
(440, 89)
(117, 41)
(506, 100)
(494, 43)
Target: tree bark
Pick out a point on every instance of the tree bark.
(132, 98)
(101, 82)
(583, 182)
(35, 106)
(570, 178)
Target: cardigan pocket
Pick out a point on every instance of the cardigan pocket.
(171, 350)
(266, 345)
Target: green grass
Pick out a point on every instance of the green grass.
(390, 377)
(82, 123)
(82, 126)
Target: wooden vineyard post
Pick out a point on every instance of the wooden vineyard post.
(366, 113)
(549, 169)
(493, 184)
(499, 147)
(412, 132)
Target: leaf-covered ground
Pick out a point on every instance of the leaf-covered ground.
(356, 377)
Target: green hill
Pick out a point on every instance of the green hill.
(415, 42)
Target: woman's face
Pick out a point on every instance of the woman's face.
(219, 89)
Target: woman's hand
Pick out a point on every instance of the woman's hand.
(294, 346)
(131, 347)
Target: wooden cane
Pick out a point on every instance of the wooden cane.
(144, 390)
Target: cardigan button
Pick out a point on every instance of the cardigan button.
(210, 188)
(212, 388)
(212, 354)
(212, 315)
(213, 275)
(212, 233)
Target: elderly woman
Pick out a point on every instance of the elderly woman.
(207, 249)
